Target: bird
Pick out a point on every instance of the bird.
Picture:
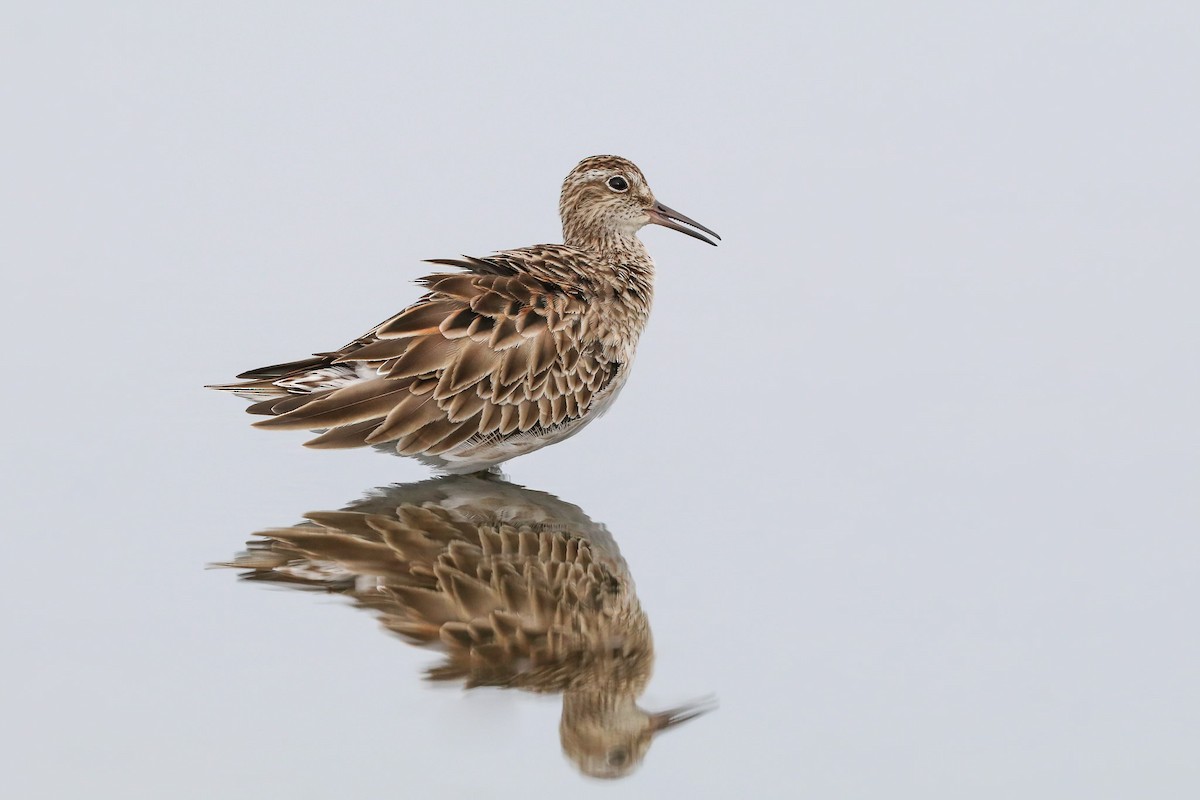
(517, 589)
(505, 355)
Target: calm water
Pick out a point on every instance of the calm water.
(516, 588)
(903, 481)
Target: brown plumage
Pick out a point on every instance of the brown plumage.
(516, 588)
(516, 351)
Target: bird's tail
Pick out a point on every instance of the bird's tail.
(280, 387)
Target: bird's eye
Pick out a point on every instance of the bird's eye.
(618, 184)
(617, 757)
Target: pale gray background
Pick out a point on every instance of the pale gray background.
(906, 471)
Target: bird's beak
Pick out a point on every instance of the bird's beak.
(670, 218)
(673, 716)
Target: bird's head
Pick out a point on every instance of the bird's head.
(607, 735)
(606, 200)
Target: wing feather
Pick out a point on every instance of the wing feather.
(354, 403)
(408, 416)
(493, 351)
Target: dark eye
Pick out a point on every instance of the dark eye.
(618, 755)
(618, 184)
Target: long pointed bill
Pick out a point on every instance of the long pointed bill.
(674, 716)
(670, 218)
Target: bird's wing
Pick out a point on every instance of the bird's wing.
(492, 351)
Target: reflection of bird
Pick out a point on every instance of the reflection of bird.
(517, 588)
(520, 350)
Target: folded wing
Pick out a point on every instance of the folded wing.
(488, 353)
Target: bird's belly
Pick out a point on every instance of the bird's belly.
(480, 454)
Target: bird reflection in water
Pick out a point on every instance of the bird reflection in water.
(516, 588)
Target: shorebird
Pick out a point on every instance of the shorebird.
(516, 351)
(516, 588)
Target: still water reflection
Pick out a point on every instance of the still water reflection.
(515, 587)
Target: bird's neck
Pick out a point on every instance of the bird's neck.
(610, 702)
(612, 243)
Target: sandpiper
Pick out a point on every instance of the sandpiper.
(515, 587)
(516, 351)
